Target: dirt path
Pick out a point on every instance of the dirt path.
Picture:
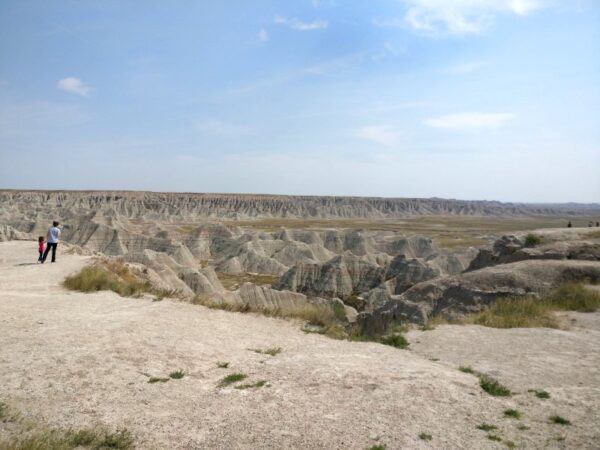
(76, 360)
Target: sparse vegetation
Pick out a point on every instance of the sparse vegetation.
(377, 447)
(559, 420)
(512, 413)
(233, 378)
(525, 312)
(523, 427)
(269, 351)
(158, 380)
(487, 383)
(492, 386)
(395, 340)
(258, 384)
(493, 437)
(487, 427)
(531, 240)
(320, 318)
(539, 393)
(222, 365)
(113, 275)
(177, 375)
(425, 437)
(530, 311)
(427, 327)
(510, 444)
(56, 439)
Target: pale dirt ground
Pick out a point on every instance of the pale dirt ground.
(77, 360)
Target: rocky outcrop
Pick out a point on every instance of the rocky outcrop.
(552, 245)
(454, 296)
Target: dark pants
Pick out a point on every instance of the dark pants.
(41, 256)
(48, 247)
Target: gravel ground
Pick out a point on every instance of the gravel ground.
(77, 360)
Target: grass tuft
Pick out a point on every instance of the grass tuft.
(258, 384)
(425, 437)
(493, 386)
(523, 427)
(493, 437)
(512, 413)
(539, 393)
(177, 375)
(559, 420)
(377, 447)
(487, 427)
(510, 444)
(467, 370)
(395, 340)
(158, 380)
(222, 365)
(233, 378)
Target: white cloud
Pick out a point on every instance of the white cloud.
(263, 35)
(301, 26)
(381, 134)
(220, 128)
(74, 86)
(464, 68)
(470, 121)
(458, 17)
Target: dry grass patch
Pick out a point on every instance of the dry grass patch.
(232, 281)
(55, 439)
(322, 319)
(532, 312)
(113, 275)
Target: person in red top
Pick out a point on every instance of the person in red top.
(41, 248)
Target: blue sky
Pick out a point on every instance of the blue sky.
(470, 99)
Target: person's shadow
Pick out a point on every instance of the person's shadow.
(26, 264)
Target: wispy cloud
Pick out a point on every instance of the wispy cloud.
(335, 66)
(296, 24)
(75, 86)
(263, 35)
(470, 121)
(217, 127)
(461, 69)
(458, 17)
(380, 134)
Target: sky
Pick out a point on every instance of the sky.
(468, 99)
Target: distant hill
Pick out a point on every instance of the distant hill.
(148, 205)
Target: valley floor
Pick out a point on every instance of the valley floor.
(73, 360)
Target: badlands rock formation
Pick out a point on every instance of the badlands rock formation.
(154, 205)
(179, 242)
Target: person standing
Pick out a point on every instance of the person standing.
(41, 247)
(52, 241)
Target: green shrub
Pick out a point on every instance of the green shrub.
(395, 340)
(559, 420)
(177, 375)
(487, 427)
(492, 386)
(531, 240)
